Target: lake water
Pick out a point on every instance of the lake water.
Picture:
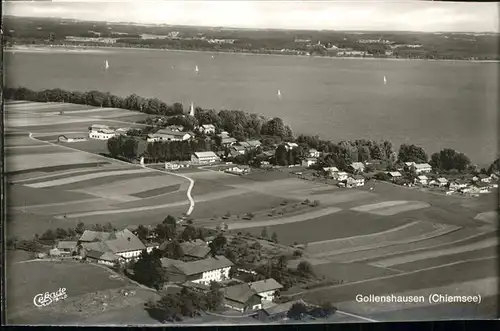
(431, 104)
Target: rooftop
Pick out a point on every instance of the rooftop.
(89, 236)
(265, 285)
(422, 165)
(66, 245)
(239, 293)
(197, 248)
(205, 154)
(200, 266)
(166, 132)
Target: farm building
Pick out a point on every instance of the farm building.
(421, 180)
(422, 168)
(201, 271)
(204, 158)
(266, 288)
(67, 247)
(394, 175)
(168, 135)
(240, 169)
(71, 138)
(331, 171)
(242, 298)
(313, 153)
(207, 128)
(101, 132)
(238, 149)
(277, 312)
(122, 243)
(357, 167)
(341, 176)
(309, 162)
(228, 141)
(196, 249)
(105, 258)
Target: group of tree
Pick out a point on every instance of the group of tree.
(97, 99)
(185, 303)
(149, 271)
(242, 125)
(448, 159)
(123, 146)
(175, 150)
(412, 153)
(299, 310)
(72, 233)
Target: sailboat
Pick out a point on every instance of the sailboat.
(196, 69)
(279, 94)
(212, 56)
(385, 81)
(106, 65)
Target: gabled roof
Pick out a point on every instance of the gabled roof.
(89, 236)
(422, 165)
(126, 241)
(395, 174)
(197, 248)
(342, 173)
(332, 169)
(357, 165)
(422, 177)
(66, 245)
(358, 177)
(93, 254)
(205, 154)
(239, 293)
(167, 132)
(442, 180)
(108, 256)
(200, 266)
(254, 143)
(228, 140)
(283, 308)
(208, 126)
(97, 246)
(265, 285)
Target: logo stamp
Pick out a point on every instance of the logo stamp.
(47, 298)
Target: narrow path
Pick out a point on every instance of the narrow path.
(191, 182)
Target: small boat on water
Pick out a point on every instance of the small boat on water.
(212, 57)
(279, 94)
(106, 65)
(385, 81)
(196, 69)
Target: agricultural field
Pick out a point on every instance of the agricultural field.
(90, 289)
(380, 237)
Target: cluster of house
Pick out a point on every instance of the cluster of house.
(104, 247)
(196, 271)
(478, 184)
(350, 179)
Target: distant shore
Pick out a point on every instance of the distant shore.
(101, 49)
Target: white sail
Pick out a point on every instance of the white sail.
(106, 65)
(212, 56)
(385, 80)
(196, 69)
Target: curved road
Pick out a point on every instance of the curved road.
(191, 181)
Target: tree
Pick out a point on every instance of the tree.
(274, 237)
(61, 233)
(448, 159)
(148, 270)
(114, 147)
(264, 234)
(80, 228)
(412, 153)
(142, 232)
(218, 244)
(189, 233)
(170, 220)
(305, 268)
(276, 127)
(48, 235)
(297, 311)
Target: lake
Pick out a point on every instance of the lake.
(434, 104)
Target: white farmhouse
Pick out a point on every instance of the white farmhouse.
(201, 271)
(101, 132)
(204, 158)
(266, 288)
(168, 135)
(207, 128)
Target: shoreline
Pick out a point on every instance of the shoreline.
(101, 49)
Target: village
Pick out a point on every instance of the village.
(203, 223)
(356, 174)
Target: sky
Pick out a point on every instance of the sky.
(367, 15)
